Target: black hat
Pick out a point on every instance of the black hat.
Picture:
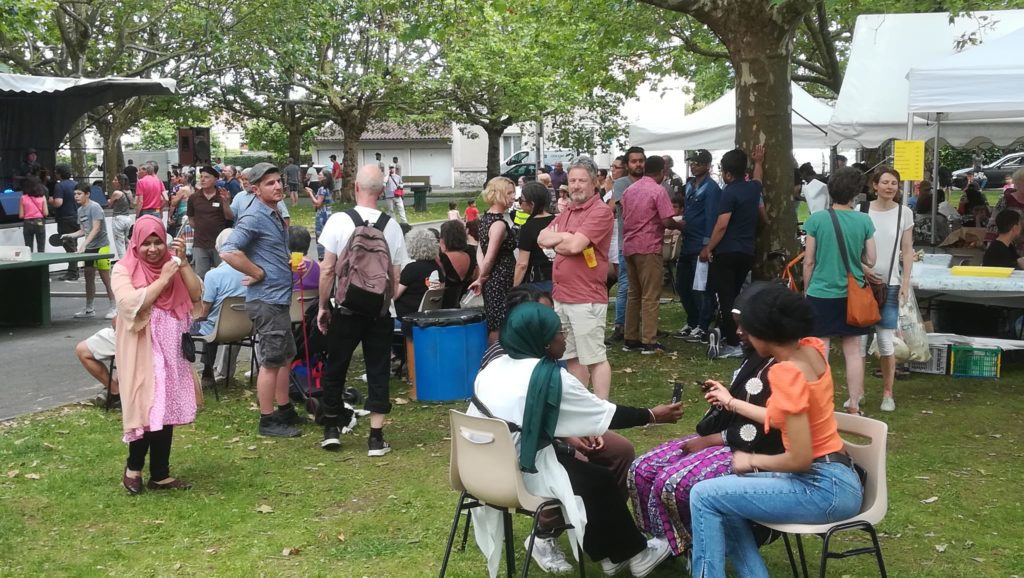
(210, 171)
(701, 156)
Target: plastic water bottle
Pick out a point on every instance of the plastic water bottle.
(435, 280)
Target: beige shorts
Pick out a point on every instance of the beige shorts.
(583, 326)
(101, 344)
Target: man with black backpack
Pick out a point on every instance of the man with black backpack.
(364, 250)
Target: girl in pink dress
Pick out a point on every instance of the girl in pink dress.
(155, 296)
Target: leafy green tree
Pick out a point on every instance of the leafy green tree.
(146, 38)
(569, 63)
(263, 135)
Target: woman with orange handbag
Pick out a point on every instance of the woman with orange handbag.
(839, 241)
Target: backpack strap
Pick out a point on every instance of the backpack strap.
(512, 426)
(357, 219)
(382, 221)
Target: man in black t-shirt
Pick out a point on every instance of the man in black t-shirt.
(65, 211)
(1001, 252)
(132, 172)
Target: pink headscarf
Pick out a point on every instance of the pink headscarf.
(175, 297)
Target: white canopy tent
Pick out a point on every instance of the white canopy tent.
(873, 104)
(714, 126)
(982, 82)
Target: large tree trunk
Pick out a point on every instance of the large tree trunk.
(352, 130)
(79, 170)
(294, 130)
(494, 132)
(763, 115)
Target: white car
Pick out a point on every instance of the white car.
(550, 157)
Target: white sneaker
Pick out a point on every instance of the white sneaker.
(610, 568)
(86, 313)
(645, 562)
(730, 351)
(548, 555)
(846, 404)
(888, 404)
(111, 314)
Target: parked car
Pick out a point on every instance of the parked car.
(528, 170)
(995, 173)
(550, 157)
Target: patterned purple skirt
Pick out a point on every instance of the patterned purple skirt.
(659, 487)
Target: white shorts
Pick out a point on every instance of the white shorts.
(583, 326)
(101, 344)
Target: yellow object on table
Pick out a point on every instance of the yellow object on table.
(969, 271)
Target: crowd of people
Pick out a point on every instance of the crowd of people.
(546, 271)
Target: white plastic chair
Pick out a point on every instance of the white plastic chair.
(484, 468)
(870, 457)
(232, 328)
(432, 300)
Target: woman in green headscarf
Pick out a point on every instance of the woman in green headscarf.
(526, 387)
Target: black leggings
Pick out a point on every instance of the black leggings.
(158, 444)
(611, 532)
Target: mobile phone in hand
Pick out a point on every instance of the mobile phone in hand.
(705, 386)
(677, 392)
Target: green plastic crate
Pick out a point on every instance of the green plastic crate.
(967, 361)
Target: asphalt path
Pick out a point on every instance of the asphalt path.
(38, 366)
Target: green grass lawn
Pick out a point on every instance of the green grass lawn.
(271, 507)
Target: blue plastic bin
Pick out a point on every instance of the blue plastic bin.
(447, 346)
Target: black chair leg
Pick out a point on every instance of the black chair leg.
(878, 549)
(581, 559)
(451, 534)
(789, 554)
(803, 559)
(510, 549)
(230, 368)
(465, 531)
(529, 547)
(824, 554)
(110, 384)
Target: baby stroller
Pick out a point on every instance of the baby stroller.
(304, 387)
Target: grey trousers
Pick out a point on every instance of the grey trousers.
(204, 259)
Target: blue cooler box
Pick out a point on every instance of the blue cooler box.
(446, 348)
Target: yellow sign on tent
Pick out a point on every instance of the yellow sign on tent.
(909, 159)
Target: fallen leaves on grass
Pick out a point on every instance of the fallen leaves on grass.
(264, 509)
(32, 476)
(290, 551)
(341, 537)
(401, 401)
(940, 548)
(930, 500)
(12, 473)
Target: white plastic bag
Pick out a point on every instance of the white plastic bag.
(911, 328)
(700, 276)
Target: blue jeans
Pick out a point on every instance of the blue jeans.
(623, 290)
(699, 305)
(722, 507)
(891, 310)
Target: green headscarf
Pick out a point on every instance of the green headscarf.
(528, 329)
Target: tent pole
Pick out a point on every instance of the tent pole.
(935, 173)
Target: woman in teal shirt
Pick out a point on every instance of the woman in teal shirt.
(823, 265)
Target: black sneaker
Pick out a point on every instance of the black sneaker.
(653, 348)
(629, 346)
(378, 447)
(616, 336)
(275, 429)
(332, 438)
(288, 416)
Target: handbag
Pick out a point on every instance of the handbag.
(399, 191)
(881, 290)
(188, 348)
(861, 307)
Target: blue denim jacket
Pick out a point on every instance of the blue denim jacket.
(700, 211)
(260, 234)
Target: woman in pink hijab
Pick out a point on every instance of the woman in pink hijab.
(156, 290)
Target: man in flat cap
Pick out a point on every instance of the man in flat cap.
(258, 248)
(209, 213)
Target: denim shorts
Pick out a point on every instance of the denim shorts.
(891, 310)
(275, 346)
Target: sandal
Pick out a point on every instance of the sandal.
(174, 484)
(133, 485)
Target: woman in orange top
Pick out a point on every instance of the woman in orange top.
(813, 481)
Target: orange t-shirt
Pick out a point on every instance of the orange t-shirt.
(793, 394)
